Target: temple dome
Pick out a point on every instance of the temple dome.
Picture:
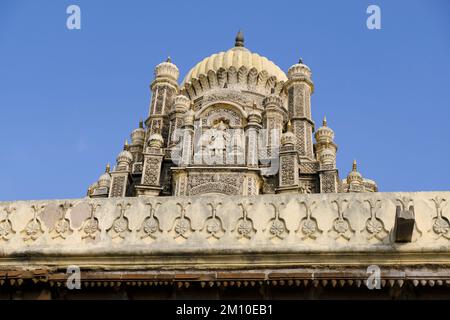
(236, 57)
(238, 67)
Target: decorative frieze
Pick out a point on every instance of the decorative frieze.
(293, 221)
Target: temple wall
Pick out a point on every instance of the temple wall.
(228, 232)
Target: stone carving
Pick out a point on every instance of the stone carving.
(33, 229)
(90, 227)
(213, 224)
(228, 95)
(441, 225)
(62, 227)
(328, 182)
(117, 186)
(341, 226)
(227, 183)
(6, 228)
(213, 114)
(244, 226)
(151, 176)
(277, 226)
(120, 227)
(182, 226)
(287, 170)
(374, 226)
(151, 227)
(308, 224)
(307, 187)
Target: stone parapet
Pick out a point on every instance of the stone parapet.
(225, 232)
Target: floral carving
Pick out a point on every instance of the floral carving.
(213, 224)
(244, 226)
(33, 229)
(182, 224)
(6, 229)
(341, 226)
(90, 226)
(150, 226)
(374, 226)
(119, 228)
(441, 225)
(308, 224)
(277, 227)
(62, 227)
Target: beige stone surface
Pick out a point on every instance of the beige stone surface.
(223, 232)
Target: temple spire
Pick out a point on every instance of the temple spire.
(289, 126)
(239, 39)
(354, 168)
(324, 123)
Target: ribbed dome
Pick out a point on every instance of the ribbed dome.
(235, 57)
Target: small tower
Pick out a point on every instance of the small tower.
(121, 176)
(355, 179)
(288, 170)
(273, 119)
(100, 189)
(299, 88)
(137, 147)
(356, 183)
(164, 89)
(151, 173)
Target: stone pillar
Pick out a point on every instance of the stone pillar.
(180, 106)
(188, 135)
(326, 154)
(251, 132)
(120, 177)
(151, 173)
(164, 88)
(273, 115)
(137, 148)
(288, 171)
(299, 88)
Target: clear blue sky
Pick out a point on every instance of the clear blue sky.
(69, 98)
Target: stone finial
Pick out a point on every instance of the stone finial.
(239, 39)
(141, 123)
(300, 61)
(108, 168)
(324, 122)
(169, 59)
(354, 167)
(289, 126)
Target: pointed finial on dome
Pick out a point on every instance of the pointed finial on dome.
(141, 123)
(324, 123)
(108, 168)
(354, 168)
(168, 59)
(300, 61)
(125, 146)
(239, 39)
(289, 126)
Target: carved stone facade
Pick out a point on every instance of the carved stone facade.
(289, 241)
(236, 125)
